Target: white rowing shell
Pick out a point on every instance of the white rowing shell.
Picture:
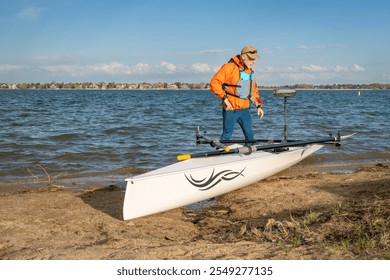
(198, 179)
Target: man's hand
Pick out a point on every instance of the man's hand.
(260, 112)
(228, 105)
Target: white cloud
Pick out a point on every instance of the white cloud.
(311, 68)
(12, 67)
(166, 66)
(299, 76)
(112, 68)
(201, 68)
(46, 68)
(340, 68)
(30, 13)
(346, 68)
(72, 70)
(266, 69)
(214, 51)
(358, 68)
(305, 47)
(310, 73)
(278, 69)
(142, 68)
(314, 68)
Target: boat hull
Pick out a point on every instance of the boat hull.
(198, 179)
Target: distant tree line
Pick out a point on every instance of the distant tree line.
(172, 86)
(105, 85)
(337, 86)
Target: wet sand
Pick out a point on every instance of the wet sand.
(301, 213)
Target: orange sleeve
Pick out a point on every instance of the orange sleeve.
(221, 77)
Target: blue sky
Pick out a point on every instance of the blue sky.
(317, 42)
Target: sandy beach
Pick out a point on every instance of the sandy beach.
(298, 214)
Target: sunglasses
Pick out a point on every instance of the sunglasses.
(251, 52)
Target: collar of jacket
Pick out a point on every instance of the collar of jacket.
(237, 60)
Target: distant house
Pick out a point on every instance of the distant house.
(133, 86)
(93, 86)
(145, 86)
(173, 86)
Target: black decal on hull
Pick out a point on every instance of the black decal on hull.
(214, 179)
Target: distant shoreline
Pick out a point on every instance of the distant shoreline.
(175, 86)
(187, 89)
(260, 89)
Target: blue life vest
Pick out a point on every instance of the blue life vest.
(244, 85)
(243, 88)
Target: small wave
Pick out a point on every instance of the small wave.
(85, 156)
(118, 130)
(65, 137)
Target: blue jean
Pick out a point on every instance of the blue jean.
(244, 119)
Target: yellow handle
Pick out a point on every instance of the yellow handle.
(183, 157)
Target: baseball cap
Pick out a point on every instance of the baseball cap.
(250, 51)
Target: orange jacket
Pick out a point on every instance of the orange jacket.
(230, 74)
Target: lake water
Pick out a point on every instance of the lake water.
(76, 133)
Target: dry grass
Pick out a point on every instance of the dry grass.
(360, 228)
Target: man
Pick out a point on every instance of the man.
(235, 85)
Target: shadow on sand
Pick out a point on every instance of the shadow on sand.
(108, 200)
